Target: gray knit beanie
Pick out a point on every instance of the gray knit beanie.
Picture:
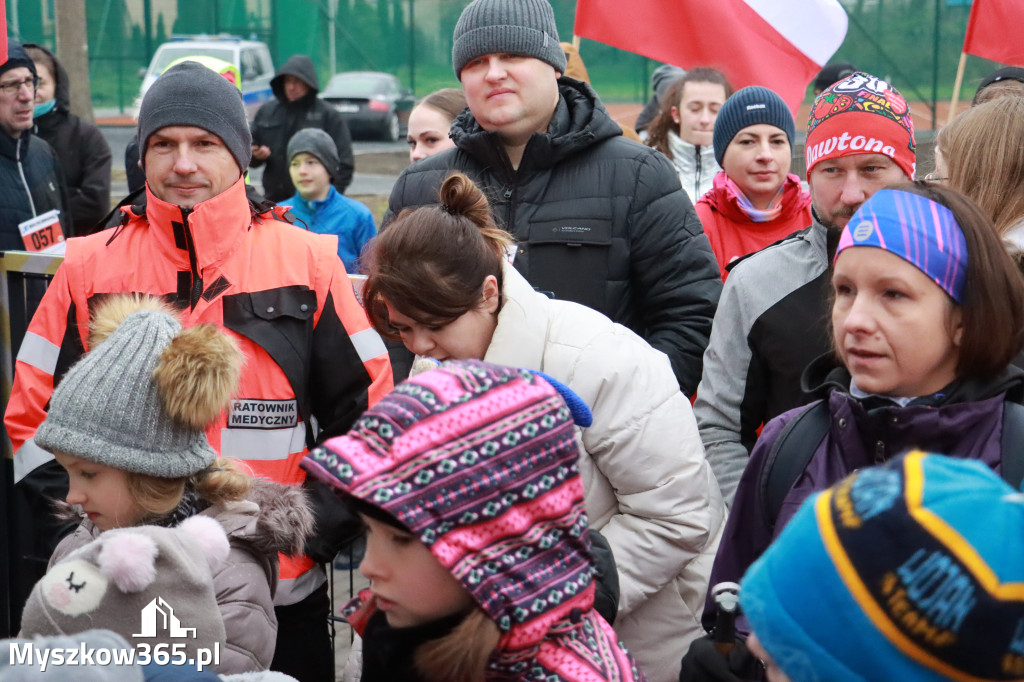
(318, 143)
(190, 94)
(141, 399)
(747, 107)
(522, 27)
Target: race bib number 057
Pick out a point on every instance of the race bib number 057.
(43, 232)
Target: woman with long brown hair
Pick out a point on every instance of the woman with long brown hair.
(683, 127)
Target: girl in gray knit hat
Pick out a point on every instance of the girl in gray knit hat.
(127, 423)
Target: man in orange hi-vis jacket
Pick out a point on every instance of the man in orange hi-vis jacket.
(313, 362)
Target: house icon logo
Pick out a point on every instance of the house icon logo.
(158, 617)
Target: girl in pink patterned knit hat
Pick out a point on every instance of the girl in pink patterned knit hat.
(477, 548)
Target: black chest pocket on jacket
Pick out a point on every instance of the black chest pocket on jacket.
(267, 131)
(280, 321)
(570, 258)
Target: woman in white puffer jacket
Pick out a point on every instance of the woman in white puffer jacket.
(438, 277)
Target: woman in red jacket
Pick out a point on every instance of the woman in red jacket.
(754, 201)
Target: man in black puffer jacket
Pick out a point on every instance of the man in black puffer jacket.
(30, 180)
(598, 219)
(296, 106)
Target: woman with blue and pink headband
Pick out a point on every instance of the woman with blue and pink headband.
(927, 314)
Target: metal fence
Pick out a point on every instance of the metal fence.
(914, 43)
(23, 279)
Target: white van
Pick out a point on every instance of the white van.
(250, 56)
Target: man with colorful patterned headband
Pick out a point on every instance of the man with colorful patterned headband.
(908, 571)
(772, 317)
(927, 317)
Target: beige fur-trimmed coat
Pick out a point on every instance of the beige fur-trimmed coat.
(647, 486)
(275, 518)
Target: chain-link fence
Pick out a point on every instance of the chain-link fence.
(914, 43)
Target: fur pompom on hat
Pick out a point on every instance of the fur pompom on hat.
(149, 584)
(143, 397)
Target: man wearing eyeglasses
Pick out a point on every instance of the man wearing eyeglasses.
(32, 192)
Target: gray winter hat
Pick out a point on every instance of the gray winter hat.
(141, 399)
(190, 94)
(318, 143)
(523, 27)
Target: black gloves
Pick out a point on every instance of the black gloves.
(606, 596)
(705, 663)
(336, 525)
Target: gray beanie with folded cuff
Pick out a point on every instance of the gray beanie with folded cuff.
(141, 399)
(521, 27)
(318, 143)
(190, 94)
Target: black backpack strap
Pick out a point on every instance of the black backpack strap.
(789, 456)
(1012, 444)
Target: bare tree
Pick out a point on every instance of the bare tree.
(73, 51)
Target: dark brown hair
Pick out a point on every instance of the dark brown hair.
(431, 263)
(992, 312)
(449, 101)
(658, 130)
(38, 54)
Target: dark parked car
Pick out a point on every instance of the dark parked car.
(373, 104)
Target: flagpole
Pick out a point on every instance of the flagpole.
(956, 87)
(576, 42)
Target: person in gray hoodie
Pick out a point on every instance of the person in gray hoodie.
(296, 106)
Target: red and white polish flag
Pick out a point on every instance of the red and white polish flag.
(993, 31)
(779, 45)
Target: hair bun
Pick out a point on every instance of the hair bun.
(461, 197)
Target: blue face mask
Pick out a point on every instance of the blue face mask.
(44, 108)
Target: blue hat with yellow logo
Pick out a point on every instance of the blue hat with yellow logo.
(913, 570)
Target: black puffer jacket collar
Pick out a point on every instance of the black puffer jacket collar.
(301, 67)
(579, 121)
